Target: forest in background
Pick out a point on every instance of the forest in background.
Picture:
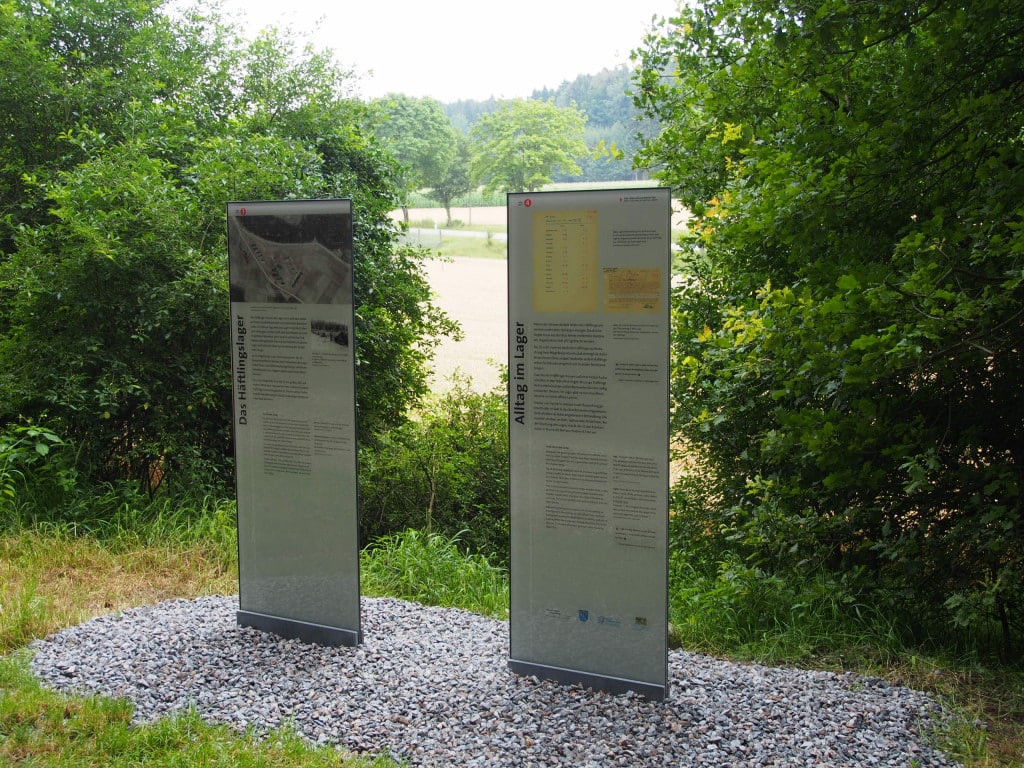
(612, 119)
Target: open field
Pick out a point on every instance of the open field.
(470, 217)
(487, 216)
(474, 292)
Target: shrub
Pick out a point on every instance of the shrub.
(446, 472)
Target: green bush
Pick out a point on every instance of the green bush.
(113, 282)
(846, 348)
(730, 608)
(445, 471)
(35, 469)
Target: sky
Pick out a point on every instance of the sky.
(461, 49)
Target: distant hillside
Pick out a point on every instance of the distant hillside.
(611, 117)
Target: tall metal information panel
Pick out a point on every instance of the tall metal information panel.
(588, 334)
(293, 381)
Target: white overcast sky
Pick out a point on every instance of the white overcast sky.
(462, 49)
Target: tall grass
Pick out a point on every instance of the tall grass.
(740, 611)
(55, 573)
(57, 570)
(23, 613)
(429, 568)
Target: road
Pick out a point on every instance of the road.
(421, 233)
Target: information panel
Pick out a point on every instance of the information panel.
(588, 282)
(293, 380)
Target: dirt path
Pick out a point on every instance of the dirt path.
(474, 292)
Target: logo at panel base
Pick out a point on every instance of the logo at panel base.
(584, 615)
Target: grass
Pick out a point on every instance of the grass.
(430, 569)
(988, 729)
(474, 247)
(747, 616)
(450, 246)
(53, 576)
(56, 575)
(41, 728)
(50, 579)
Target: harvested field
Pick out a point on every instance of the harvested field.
(475, 293)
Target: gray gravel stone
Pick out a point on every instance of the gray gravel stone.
(431, 685)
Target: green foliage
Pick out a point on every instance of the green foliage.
(121, 519)
(430, 568)
(735, 608)
(79, 63)
(456, 180)
(465, 113)
(123, 523)
(517, 147)
(613, 121)
(112, 326)
(22, 448)
(847, 341)
(397, 329)
(445, 471)
(22, 615)
(418, 134)
(127, 315)
(603, 96)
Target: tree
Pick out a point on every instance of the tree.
(613, 123)
(418, 134)
(92, 62)
(115, 327)
(603, 97)
(397, 328)
(112, 325)
(456, 181)
(849, 339)
(464, 113)
(518, 146)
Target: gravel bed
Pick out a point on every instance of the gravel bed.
(432, 686)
